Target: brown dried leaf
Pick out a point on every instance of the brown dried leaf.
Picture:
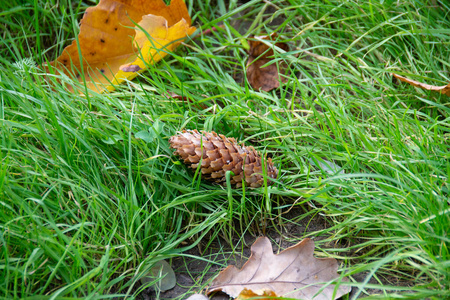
(113, 50)
(265, 78)
(294, 273)
(444, 89)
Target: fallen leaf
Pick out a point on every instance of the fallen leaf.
(265, 78)
(176, 96)
(444, 89)
(246, 294)
(294, 273)
(114, 49)
(197, 297)
(163, 274)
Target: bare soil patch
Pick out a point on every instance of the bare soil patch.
(201, 264)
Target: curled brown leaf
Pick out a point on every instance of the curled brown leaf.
(444, 89)
(262, 72)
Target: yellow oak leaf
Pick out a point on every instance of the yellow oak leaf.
(114, 49)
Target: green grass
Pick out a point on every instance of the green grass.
(90, 191)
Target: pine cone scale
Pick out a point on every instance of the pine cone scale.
(214, 155)
(225, 155)
(189, 149)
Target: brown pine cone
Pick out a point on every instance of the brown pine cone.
(221, 154)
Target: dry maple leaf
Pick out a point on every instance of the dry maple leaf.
(444, 89)
(265, 78)
(113, 50)
(294, 273)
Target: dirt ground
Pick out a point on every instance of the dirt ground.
(190, 270)
(200, 265)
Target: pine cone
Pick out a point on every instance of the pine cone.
(221, 154)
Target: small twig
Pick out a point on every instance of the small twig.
(210, 30)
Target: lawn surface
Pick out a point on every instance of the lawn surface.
(91, 195)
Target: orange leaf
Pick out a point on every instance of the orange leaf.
(260, 295)
(113, 50)
(265, 78)
(444, 89)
